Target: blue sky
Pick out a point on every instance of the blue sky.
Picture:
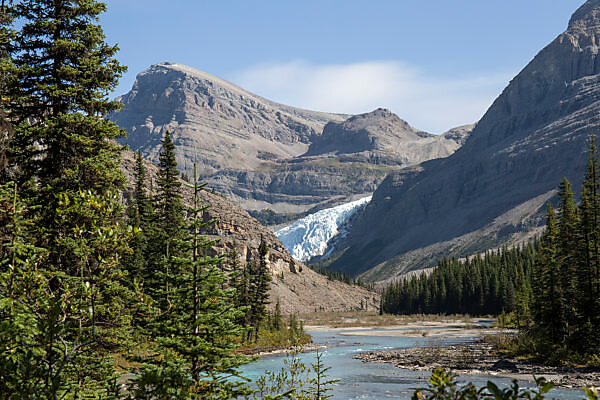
(435, 63)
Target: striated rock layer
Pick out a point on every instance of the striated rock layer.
(298, 288)
(265, 155)
(492, 189)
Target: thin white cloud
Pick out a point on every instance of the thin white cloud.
(430, 103)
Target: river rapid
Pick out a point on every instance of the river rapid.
(375, 381)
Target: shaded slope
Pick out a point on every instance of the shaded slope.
(534, 134)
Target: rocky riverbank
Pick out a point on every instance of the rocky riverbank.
(481, 358)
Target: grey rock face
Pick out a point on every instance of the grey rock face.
(265, 155)
(212, 121)
(379, 130)
(492, 188)
(381, 137)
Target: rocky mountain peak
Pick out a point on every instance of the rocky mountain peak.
(213, 122)
(588, 15)
(380, 120)
(378, 130)
(250, 148)
(492, 191)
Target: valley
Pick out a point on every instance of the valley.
(187, 238)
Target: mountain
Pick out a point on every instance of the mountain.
(299, 289)
(383, 138)
(277, 161)
(491, 191)
(212, 121)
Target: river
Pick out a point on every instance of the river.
(374, 381)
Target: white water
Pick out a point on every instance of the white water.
(309, 236)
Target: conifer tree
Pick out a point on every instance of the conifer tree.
(7, 32)
(57, 73)
(170, 209)
(568, 251)
(258, 290)
(21, 287)
(321, 383)
(194, 323)
(140, 216)
(277, 317)
(588, 271)
(167, 227)
(549, 308)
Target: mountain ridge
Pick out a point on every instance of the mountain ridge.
(534, 133)
(258, 152)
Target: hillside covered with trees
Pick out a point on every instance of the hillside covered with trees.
(552, 286)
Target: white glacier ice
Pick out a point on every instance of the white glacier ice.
(309, 236)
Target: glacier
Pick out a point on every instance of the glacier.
(309, 236)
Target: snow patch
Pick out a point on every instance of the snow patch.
(309, 236)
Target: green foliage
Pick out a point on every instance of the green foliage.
(295, 380)
(498, 282)
(58, 329)
(274, 333)
(443, 386)
(566, 299)
(321, 383)
(193, 322)
(254, 291)
(66, 281)
(169, 208)
(73, 296)
(140, 216)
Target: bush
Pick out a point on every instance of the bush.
(443, 386)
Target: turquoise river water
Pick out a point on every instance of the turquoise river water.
(374, 381)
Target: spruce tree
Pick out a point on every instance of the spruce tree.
(166, 227)
(140, 216)
(321, 383)
(194, 323)
(568, 252)
(7, 32)
(170, 209)
(258, 290)
(57, 73)
(549, 316)
(588, 272)
(23, 296)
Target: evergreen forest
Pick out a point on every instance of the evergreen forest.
(499, 281)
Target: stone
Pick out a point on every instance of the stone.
(504, 364)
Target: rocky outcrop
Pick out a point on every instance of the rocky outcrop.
(212, 122)
(379, 130)
(347, 161)
(491, 190)
(265, 155)
(381, 137)
(298, 288)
